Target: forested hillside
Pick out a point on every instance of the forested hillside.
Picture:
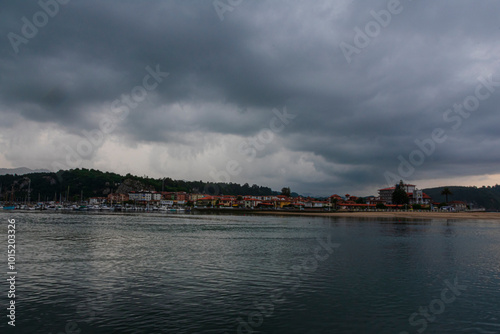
(93, 183)
(487, 197)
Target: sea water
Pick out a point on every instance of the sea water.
(161, 273)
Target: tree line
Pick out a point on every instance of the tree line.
(72, 184)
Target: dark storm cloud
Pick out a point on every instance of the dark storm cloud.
(225, 77)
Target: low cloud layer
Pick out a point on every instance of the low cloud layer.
(373, 92)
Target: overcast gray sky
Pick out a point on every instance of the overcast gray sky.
(325, 96)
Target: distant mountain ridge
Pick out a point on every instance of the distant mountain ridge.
(21, 171)
(487, 197)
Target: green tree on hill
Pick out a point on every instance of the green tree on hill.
(399, 196)
(334, 201)
(286, 191)
(360, 200)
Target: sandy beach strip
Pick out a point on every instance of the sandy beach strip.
(393, 214)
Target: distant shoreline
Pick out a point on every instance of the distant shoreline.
(305, 213)
(391, 214)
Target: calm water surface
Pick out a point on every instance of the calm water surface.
(146, 273)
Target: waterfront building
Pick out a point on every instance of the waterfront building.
(117, 198)
(97, 200)
(458, 205)
(415, 196)
(144, 196)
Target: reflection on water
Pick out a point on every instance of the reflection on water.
(132, 273)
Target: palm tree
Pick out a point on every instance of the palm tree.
(446, 191)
